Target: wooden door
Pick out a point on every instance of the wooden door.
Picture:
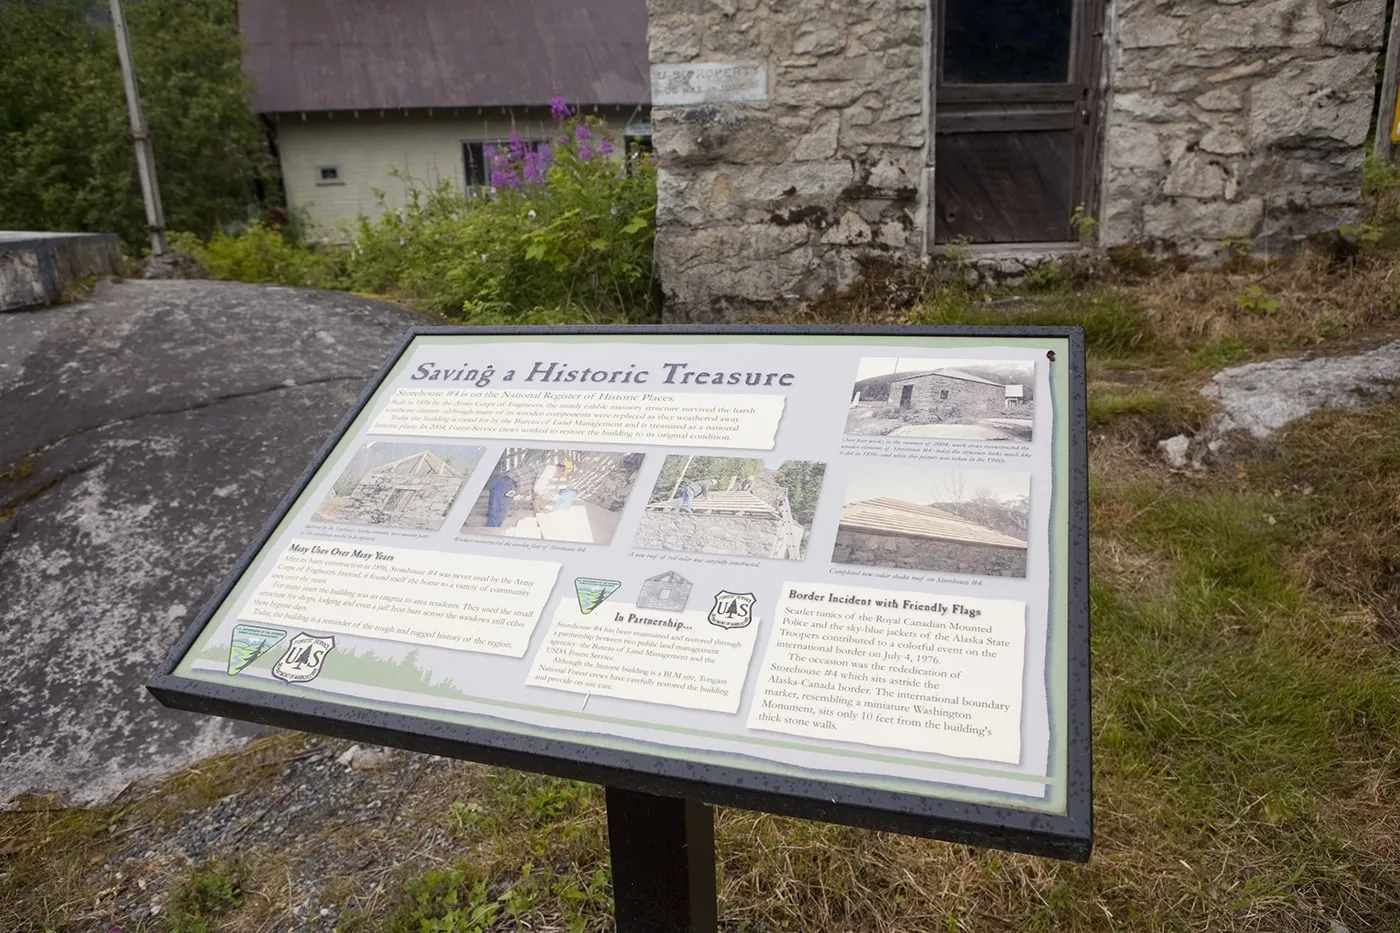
(1015, 117)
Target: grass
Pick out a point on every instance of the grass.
(1246, 652)
(202, 897)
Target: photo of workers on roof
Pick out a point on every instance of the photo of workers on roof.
(732, 505)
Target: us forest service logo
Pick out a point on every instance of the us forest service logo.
(303, 659)
(732, 610)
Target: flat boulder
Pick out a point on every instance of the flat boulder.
(148, 433)
(1258, 399)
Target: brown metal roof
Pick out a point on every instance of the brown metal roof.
(308, 55)
(894, 517)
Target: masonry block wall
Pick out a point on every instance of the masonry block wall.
(424, 502)
(772, 200)
(1239, 119)
(949, 399)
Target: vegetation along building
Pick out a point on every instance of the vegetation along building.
(798, 136)
(366, 97)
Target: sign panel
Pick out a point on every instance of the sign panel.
(827, 573)
(708, 83)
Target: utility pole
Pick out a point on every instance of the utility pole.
(141, 135)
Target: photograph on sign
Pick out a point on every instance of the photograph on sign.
(729, 505)
(401, 485)
(951, 398)
(555, 495)
(835, 564)
(954, 521)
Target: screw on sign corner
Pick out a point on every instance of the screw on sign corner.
(1050, 355)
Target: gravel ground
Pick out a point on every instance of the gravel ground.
(328, 812)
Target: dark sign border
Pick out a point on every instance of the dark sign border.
(1068, 835)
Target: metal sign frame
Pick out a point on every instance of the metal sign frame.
(1067, 835)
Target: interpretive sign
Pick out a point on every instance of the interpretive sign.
(708, 83)
(832, 573)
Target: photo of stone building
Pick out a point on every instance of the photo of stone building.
(731, 505)
(415, 489)
(555, 495)
(937, 521)
(950, 398)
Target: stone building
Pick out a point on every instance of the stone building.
(903, 535)
(413, 492)
(948, 395)
(798, 137)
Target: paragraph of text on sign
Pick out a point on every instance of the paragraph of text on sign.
(895, 669)
(487, 604)
(678, 658)
(665, 418)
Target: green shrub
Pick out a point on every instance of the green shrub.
(563, 235)
(261, 255)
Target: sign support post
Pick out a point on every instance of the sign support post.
(663, 863)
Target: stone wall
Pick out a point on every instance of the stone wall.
(964, 399)
(1240, 119)
(770, 200)
(427, 499)
(909, 553)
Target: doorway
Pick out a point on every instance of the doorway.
(1015, 90)
(906, 396)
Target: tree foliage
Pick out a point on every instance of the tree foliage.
(66, 158)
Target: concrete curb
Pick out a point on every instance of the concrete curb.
(36, 267)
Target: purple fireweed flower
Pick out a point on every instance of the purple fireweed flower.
(654, 160)
(559, 108)
(586, 152)
(517, 147)
(488, 152)
(582, 133)
(504, 180)
(606, 147)
(533, 175)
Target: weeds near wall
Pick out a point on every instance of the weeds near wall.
(563, 233)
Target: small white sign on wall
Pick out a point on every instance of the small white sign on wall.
(708, 82)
